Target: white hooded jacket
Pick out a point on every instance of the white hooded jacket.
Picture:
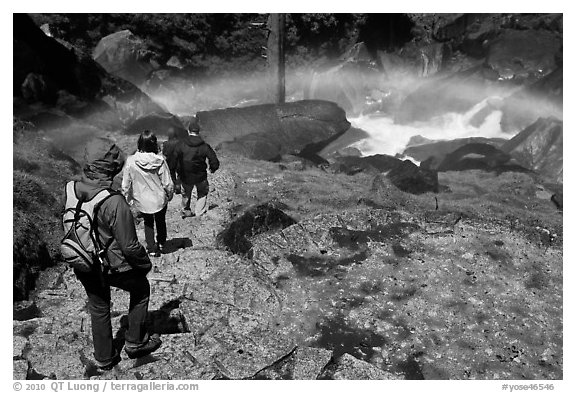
(146, 183)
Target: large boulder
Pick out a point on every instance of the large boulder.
(471, 33)
(422, 150)
(342, 145)
(480, 29)
(408, 177)
(523, 54)
(160, 123)
(269, 131)
(124, 55)
(453, 26)
(540, 147)
(405, 175)
(474, 156)
(351, 165)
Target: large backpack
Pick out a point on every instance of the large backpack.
(81, 247)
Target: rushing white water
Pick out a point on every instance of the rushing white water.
(389, 138)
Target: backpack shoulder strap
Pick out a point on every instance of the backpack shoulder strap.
(70, 194)
(99, 200)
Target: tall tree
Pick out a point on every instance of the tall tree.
(276, 64)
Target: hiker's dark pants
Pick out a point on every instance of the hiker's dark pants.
(98, 292)
(202, 189)
(160, 219)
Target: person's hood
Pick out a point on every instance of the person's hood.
(194, 140)
(148, 160)
(102, 159)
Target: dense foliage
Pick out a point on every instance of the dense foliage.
(216, 43)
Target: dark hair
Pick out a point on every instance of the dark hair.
(193, 126)
(147, 142)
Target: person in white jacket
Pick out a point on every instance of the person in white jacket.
(148, 187)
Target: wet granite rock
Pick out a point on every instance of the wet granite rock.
(523, 54)
(160, 123)
(475, 156)
(341, 146)
(539, 147)
(349, 367)
(266, 132)
(242, 356)
(422, 150)
(309, 362)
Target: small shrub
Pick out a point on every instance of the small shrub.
(21, 164)
(30, 253)
(29, 194)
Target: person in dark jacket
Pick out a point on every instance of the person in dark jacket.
(188, 160)
(127, 259)
(175, 136)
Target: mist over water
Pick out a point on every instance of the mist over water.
(386, 137)
(184, 97)
(388, 90)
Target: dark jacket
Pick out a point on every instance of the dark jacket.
(189, 160)
(169, 151)
(115, 221)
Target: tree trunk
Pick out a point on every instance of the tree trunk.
(275, 55)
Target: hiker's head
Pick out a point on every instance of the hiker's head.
(176, 132)
(171, 133)
(147, 142)
(193, 126)
(102, 159)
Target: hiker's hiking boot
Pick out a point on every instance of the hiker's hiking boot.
(187, 213)
(161, 247)
(154, 251)
(153, 344)
(109, 365)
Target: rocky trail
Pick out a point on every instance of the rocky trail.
(281, 280)
(317, 263)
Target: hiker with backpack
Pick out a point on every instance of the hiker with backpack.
(188, 160)
(102, 246)
(148, 186)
